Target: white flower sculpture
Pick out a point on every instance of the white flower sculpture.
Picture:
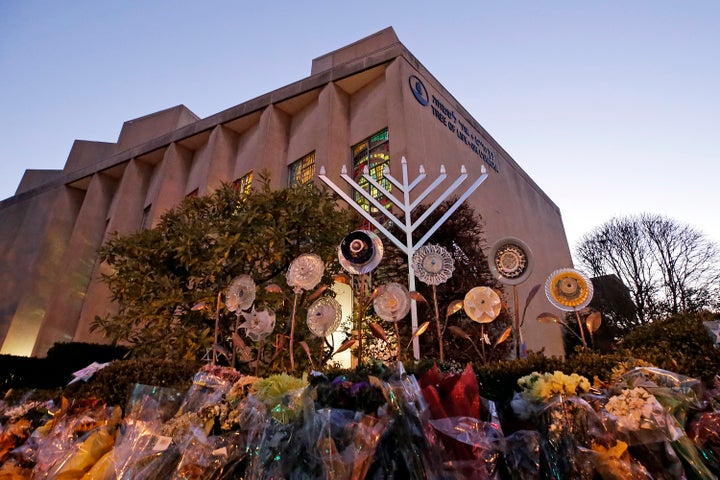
(482, 304)
(240, 295)
(324, 316)
(392, 302)
(258, 324)
(433, 264)
(305, 272)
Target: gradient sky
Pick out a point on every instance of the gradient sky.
(613, 108)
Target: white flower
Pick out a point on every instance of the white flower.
(636, 409)
(324, 316)
(433, 264)
(258, 324)
(482, 304)
(240, 295)
(393, 302)
(305, 272)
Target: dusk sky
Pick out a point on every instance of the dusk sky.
(613, 108)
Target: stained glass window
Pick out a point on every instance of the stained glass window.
(373, 153)
(301, 171)
(244, 183)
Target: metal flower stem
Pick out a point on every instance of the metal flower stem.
(482, 340)
(217, 329)
(360, 314)
(259, 357)
(437, 324)
(399, 343)
(516, 323)
(582, 332)
(406, 205)
(235, 329)
(292, 330)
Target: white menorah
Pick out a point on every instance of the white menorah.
(406, 205)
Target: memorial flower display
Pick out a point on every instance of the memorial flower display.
(386, 424)
(379, 420)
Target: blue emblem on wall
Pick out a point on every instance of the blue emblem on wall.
(418, 89)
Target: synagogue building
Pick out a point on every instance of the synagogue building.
(368, 104)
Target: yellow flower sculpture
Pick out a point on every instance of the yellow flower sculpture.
(567, 289)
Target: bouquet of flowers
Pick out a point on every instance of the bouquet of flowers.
(704, 431)
(409, 449)
(563, 420)
(676, 396)
(472, 447)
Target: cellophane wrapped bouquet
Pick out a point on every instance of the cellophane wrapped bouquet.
(648, 409)
(564, 421)
(472, 443)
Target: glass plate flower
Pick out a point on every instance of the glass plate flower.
(360, 252)
(568, 290)
(324, 316)
(510, 261)
(240, 294)
(392, 302)
(482, 304)
(433, 264)
(305, 271)
(258, 324)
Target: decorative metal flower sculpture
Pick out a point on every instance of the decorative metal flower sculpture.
(258, 324)
(305, 272)
(433, 264)
(482, 304)
(510, 261)
(240, 294)
(324, 316)
(392, 302)
(568, 289)
(360, 252)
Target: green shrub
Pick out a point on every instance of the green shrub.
(680, 344)
(56, 369)
(114, 383)
(498, 381)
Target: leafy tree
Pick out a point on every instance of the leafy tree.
(668, 267)
(463, 236)
(195, 251)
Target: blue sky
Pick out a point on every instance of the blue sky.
(613, 107)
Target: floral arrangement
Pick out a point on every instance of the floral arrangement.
(538, 387)
(636, 410)
(379, 424)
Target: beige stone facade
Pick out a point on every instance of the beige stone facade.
(57, 219)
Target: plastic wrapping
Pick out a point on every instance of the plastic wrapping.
(678, 396)
(704, 431)
(140, 443)
(565, 426)
(473, 448)
(86, 453)
(677, 393)
(410, 448)
(52, 444)
(452, 395)
(344, 441)
(615, 463)
(207, 388)
(522, 454)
